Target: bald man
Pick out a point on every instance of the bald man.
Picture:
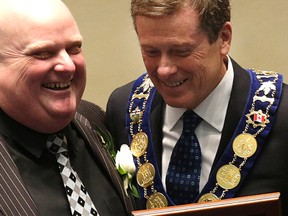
(42, 79)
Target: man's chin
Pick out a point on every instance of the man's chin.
(63, 113)
(174, 101)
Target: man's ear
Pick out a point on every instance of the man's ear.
(226, 38)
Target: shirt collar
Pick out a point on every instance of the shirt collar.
(213, 108)
(172, 115)
(32, 141)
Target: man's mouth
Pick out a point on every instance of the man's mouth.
(57, 86)
(175, 84)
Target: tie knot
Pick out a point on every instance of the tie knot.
(57, 143)
(190, 121)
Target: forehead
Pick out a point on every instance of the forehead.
(32, 12)
(184, 16)
(185, 22)
(36, 8)
(43, 19)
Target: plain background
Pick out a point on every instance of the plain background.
(260, 33)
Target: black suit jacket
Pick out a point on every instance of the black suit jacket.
(270, 171)
(89, 120)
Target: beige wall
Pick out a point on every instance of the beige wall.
(260, 33)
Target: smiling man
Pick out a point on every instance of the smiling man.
(42, 79)
(239, 145)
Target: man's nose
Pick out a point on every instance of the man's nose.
(64, 63)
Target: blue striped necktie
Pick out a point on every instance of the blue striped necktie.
(183, 175)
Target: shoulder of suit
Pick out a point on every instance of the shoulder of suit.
(95, 115)
(92, 113)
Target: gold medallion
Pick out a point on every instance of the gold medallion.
(228, 176)
(156, 200)
(145, 175)
(208, 197)
(244, 145)
(139, 144)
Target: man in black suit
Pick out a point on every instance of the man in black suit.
(42, 79)
(243, 132)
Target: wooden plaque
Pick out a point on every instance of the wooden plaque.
(256, 205)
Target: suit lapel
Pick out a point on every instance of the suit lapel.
(237, 102)
(14, 198)
(156, 127)
(102, 156)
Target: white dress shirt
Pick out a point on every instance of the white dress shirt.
(213, 111)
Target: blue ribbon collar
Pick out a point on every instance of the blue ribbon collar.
(236, 161)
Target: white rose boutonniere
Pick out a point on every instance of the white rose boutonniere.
(126, 167)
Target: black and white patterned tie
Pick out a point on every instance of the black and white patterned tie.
(183, 175)
(79, 199)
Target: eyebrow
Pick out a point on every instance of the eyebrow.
(174, 45)
(40, 45)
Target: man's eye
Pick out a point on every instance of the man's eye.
(182, 52)
(43, 55)
(74, 50)
(151, 53)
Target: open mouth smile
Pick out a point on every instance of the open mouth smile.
(175, 84)
(57, 86)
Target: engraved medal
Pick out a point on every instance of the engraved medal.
(139, 144)
(244, 145)
(228, 176)
(208, 197)
(156, 200)
(145, 175)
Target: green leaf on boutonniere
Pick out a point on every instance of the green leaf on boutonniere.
(134, 191)
(121, 171)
